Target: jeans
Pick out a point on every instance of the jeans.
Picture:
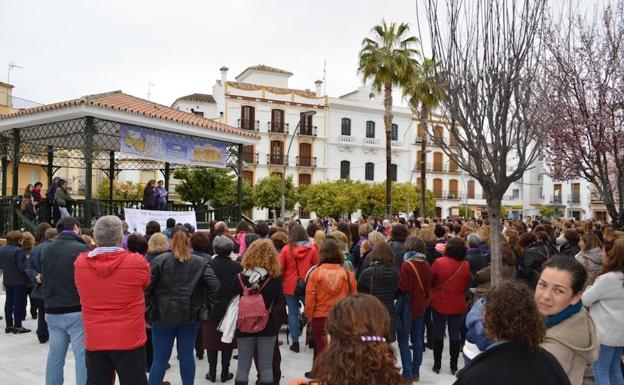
(63, 329)
(411, 360)
(64, 212)
(15, 305)
(607, 369)
(292, 302)
(246, 348)
(162, 342)
(128, 364)
(162, 206)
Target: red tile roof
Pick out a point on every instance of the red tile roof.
(118, 101)
(265, 68)
(199, 98)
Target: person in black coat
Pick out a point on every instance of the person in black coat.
(381, 279)
(473, 254)
(512, 321)
(571, 247)
(226, 270)
(398, 235)
(535, 254)
(13, 262)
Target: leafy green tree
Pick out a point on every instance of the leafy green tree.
(388, 58)
(406, 192)
(549, 211)
(372, 199)
(466, 211)
(121, 190)
(231, 196)
(267, 193)
(204, 185)
(333, 199)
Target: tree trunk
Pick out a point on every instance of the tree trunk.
(493, 209)
(423, 162)
(388, 130)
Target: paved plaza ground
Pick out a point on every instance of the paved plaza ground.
(22, 362)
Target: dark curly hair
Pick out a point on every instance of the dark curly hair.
(511, 314)
(348, 360)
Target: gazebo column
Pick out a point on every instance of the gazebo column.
(15, 161)
(14, 188)
(4, 149)
(50, 166)
(88, 156)
(111, 179)
(166, 175)
(239, 181)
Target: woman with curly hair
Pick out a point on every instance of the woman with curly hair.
(512, 321)
(261, 270)
(357, 352)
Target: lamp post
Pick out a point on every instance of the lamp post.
(283, 195)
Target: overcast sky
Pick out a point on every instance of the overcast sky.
(71, 48)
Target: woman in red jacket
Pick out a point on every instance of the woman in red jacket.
(295, 259)
(450, 276)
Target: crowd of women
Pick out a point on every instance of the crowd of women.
(351, 289)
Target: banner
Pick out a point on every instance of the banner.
(137, 219)
(162, 146)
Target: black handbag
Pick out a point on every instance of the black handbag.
(301, 283)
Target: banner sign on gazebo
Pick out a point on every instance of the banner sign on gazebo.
(159, 145)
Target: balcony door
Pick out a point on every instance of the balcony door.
(248, 117)
(277, 152)
(277, 120)
(453, 188)
(437, 161)
(437, 188)
(305, 154)
(471, 189)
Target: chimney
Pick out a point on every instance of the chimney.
(319, 87)
(224, 71)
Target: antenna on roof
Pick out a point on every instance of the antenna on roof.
(325, 77)
(11, 66)
(149, 89)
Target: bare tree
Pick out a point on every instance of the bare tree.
(488, 54)
(585, 89)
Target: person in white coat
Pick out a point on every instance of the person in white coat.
(605, 299)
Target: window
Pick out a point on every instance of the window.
(437, 188)
(249, 177)
(557, 193)
(277, 151)
(369, 171)
(437, 161)
(576, 193)
(248, 154)
(306, 124)
(247, 118)
(471, 189)
(277, 120)
(345, 128)
(515, 193)
(276, 173)
(305, 179)
(439, 133)
(394, 133)
(305, 154)
(370, 129)
(345, 165)
(393, 172)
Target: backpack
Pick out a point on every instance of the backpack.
(252, 312)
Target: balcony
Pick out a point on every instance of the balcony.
(248, 124)
(306, 161)
(308, 131)
(346, 139)
(556, 199)
(451, 195)
(511, 197)
(397, 144)
(371, 141)
(596, 197)
(574, 198)
(278, 159)
(250, 157)
(278, 127)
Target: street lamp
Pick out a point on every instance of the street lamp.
(283, 196)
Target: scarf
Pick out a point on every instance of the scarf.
(255, 275)
(414, 255)
(558, 318)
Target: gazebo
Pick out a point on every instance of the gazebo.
(94, 132)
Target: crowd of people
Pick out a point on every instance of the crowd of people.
(349, 290)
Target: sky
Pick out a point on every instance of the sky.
(72, 48)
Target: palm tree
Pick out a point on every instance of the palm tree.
(423, 94)
(387, 58)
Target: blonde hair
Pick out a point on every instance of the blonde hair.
(341, 239)
(181, 246)
(319, 237)
(158, 244)
(484, 234)
(28, 241)
(261, 253)
(375, 237)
